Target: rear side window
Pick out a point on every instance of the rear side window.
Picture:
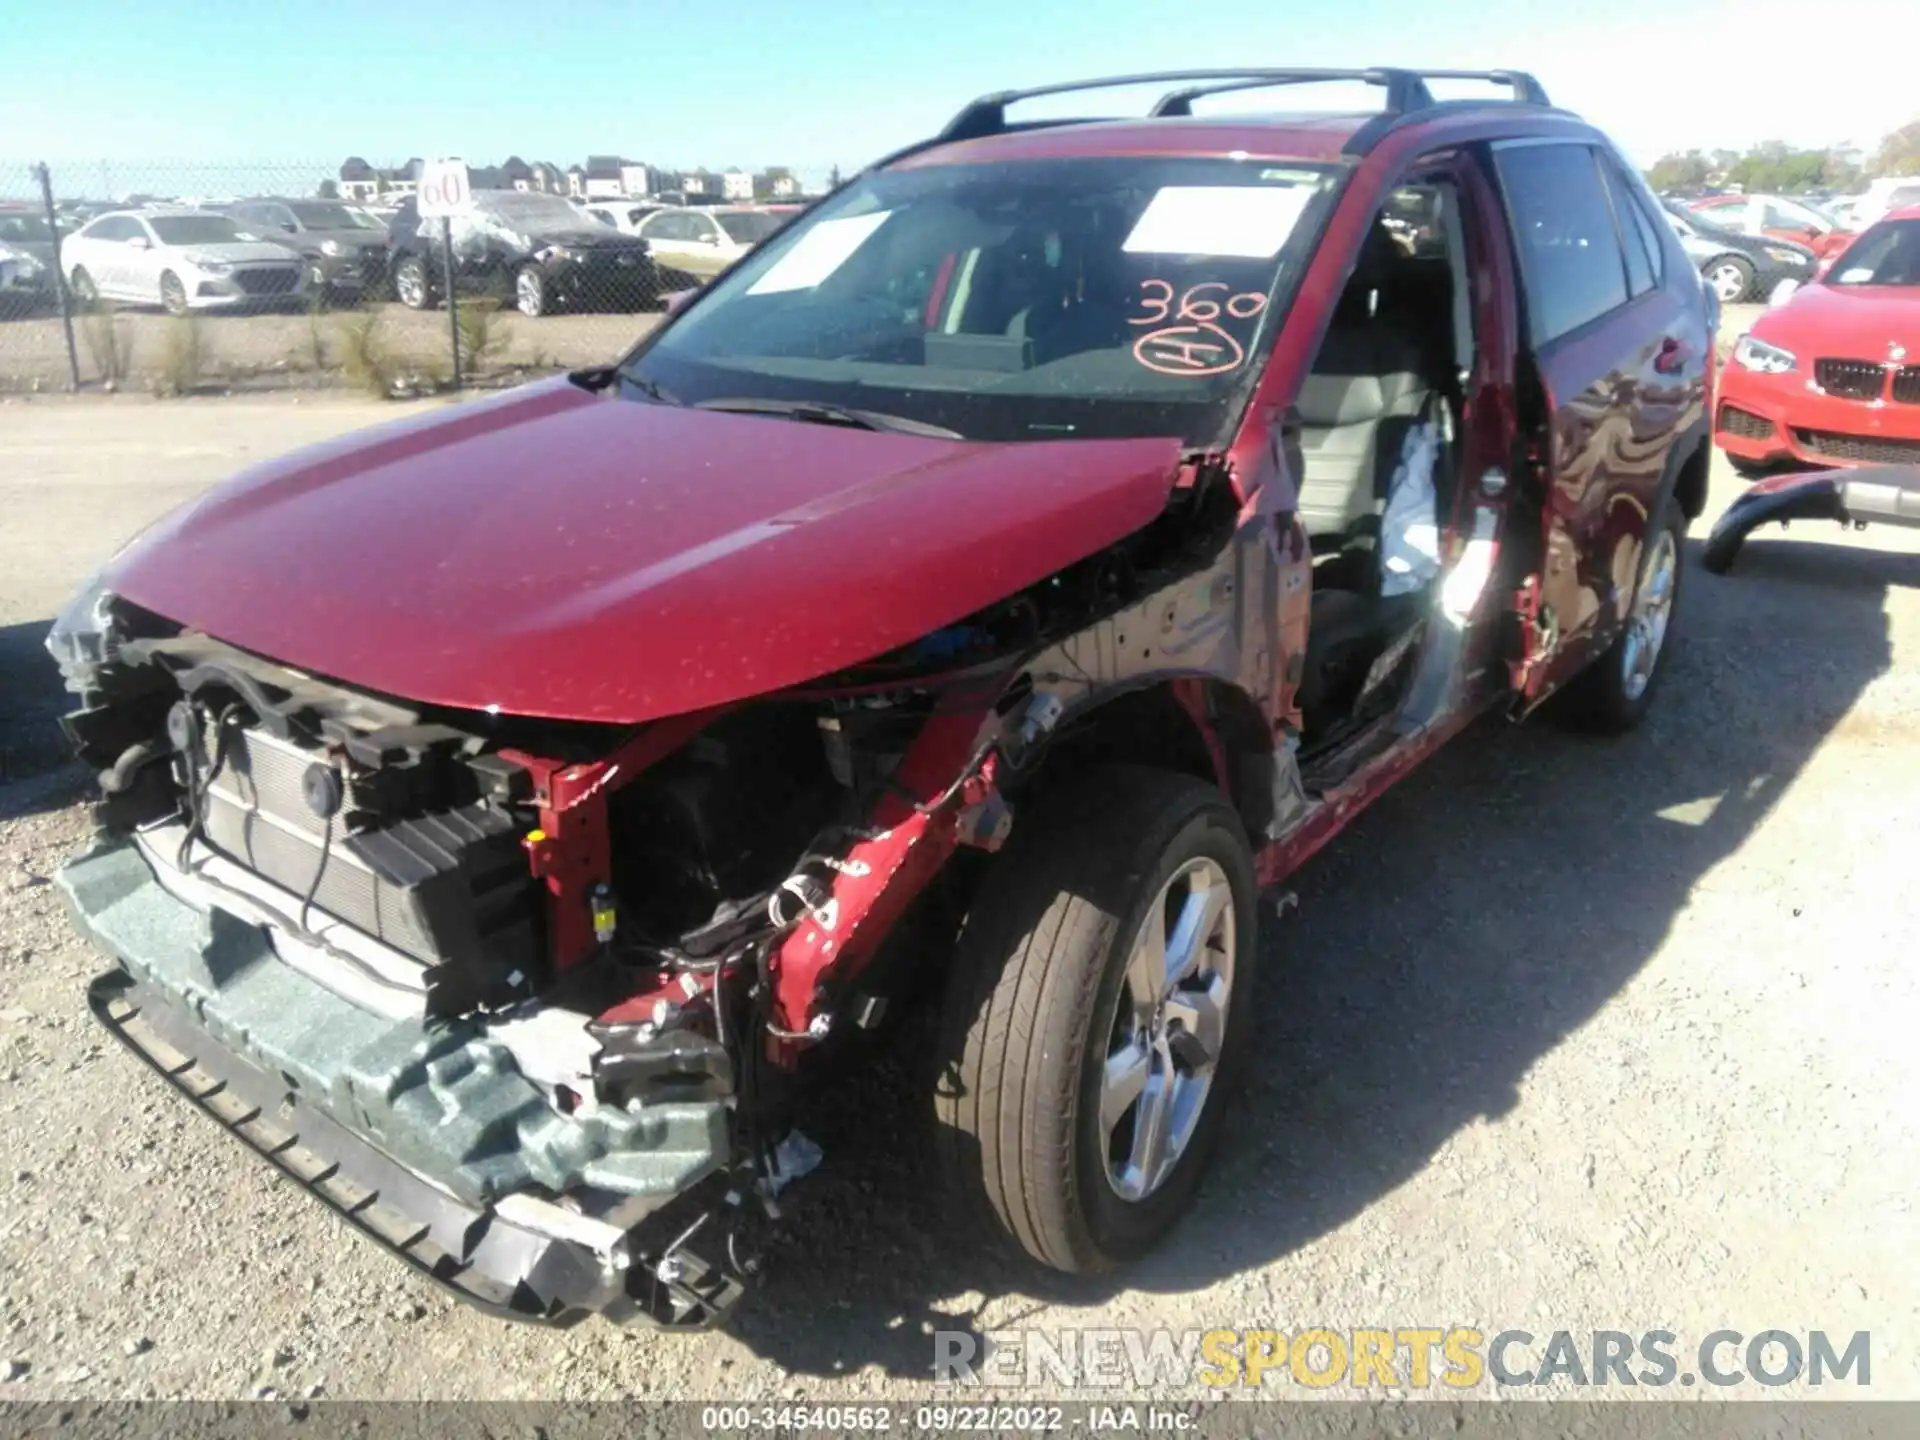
(1637, 235)
(1563, 226)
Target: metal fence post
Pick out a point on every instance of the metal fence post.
(59, 271)
(453, 314)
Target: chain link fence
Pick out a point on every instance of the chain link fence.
(196, 278)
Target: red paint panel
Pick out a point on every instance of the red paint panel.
(558, 554)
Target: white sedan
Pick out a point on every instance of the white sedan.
(705, 241)
(179, 259)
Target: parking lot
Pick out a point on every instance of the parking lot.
(1565, 1034)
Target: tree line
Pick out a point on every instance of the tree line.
(1779, 168)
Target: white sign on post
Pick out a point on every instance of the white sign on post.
(445, 189)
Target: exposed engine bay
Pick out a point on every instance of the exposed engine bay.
(683, 918)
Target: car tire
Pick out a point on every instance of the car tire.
(412, 286)
(530, 296)
(80, 285)
(1614, 693)
(1044, 1004)
(173, 294)
(1730, 277)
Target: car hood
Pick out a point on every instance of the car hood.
(1858, 321)
(237, 251)
(558, 553)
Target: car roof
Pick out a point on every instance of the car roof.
(1905, 212)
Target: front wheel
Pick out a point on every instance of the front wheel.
(530, 292)
(80, 285)
(1099, 1000)
(411, 285)
(173, 294)
(1615, 691)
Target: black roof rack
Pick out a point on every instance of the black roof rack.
(1407, 91)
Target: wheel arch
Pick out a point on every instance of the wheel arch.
(1192, 724)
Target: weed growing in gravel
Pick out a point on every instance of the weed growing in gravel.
(316, 356)
(183, 362)
(483, 334)
(370, 361)
(109, 342)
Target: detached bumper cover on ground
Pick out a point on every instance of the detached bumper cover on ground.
(359, 1108)
(1881, 494)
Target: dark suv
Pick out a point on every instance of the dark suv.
(536, 249)
(953, 615)
(345, 248)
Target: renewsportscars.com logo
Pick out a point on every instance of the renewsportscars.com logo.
(1407, 1357)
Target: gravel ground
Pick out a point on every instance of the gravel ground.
(1565, 1034)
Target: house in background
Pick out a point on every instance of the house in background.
(361, 182)
(601, 179)
(546, 178)
(737, 184)
(702, 182)
(776, 182)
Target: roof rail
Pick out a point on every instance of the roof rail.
(1526, 89)
(988, 114)
(1406, 91)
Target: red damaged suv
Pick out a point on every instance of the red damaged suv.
(970, 600)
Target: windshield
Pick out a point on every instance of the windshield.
(1887, 254)
(1030, 300)
(197, 230)
(529, 209)
(24, 227)
(330, 215)
(748, 227)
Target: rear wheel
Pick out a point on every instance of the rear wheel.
(1731, 279)
(173, 294)
(1614, 692)
(1098, 1004)
(410, 283)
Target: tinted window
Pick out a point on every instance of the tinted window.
(1641, 240)
(1563, 225)
(749, 227)
(24, 227)
(197, 230)
(1887, 254)
(1033, 299)
(113, 227)
(671, 227)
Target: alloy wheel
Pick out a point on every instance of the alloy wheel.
(1168, 1027)
(1647, 624)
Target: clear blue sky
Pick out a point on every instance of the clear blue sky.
(812, 83)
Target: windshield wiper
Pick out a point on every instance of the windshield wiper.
(815, 412)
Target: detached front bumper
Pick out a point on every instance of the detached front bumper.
(1883, 494)
(427, 1140)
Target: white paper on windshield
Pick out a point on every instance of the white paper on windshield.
(1245, 220)
(818, 253)
(1859, 275)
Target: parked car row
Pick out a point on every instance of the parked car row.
(1737, 267)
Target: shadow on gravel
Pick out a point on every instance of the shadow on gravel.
(35, 769)
(1481, 912)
